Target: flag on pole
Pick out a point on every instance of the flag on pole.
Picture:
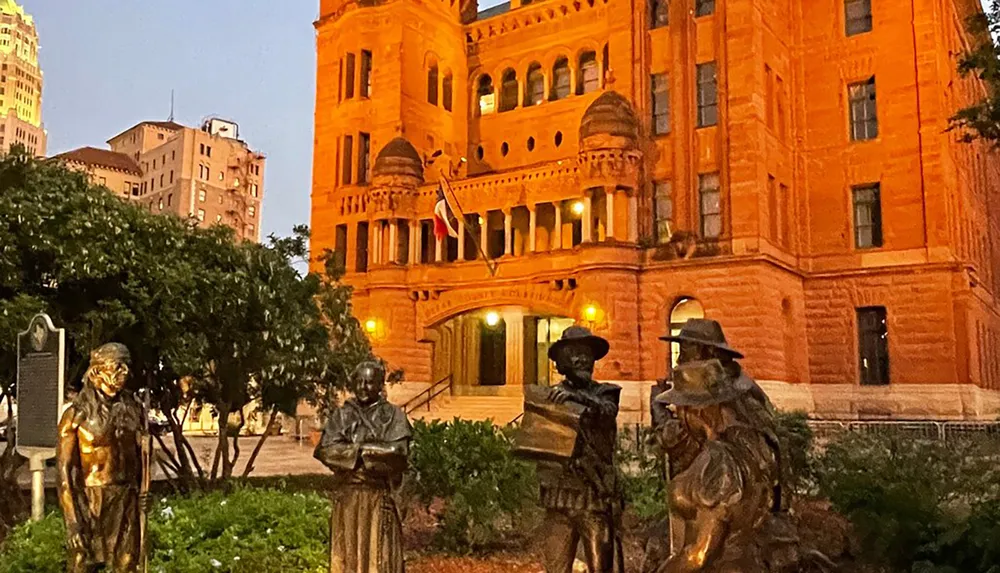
(443, 214)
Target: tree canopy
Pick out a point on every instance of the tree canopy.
(980, 120)
(207, 317)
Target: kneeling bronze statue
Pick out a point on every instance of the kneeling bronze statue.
(365, 443)
(728, 496)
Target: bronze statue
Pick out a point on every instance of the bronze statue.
(100, 458)
(571, 430)
(724, 457)
(365, 443)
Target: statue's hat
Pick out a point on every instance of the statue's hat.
(703, 331)
(580, 335)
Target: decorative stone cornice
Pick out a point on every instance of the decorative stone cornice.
(611, 168)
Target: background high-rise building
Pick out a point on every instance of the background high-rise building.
(208, 174)
(783, 167)
(20, 81)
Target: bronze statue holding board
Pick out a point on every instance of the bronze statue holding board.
(365, 443)
(570, 430)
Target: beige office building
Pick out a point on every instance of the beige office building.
(20, 81)
(208, 174)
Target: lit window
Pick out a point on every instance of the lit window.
(864, 116)
(218, 218)
(685, 310)
(201, 195)
(252, 211)
(663, 211)
(710, 203)
(253, 190)
(160, 204)
(487, 99)
(201, 214)
(867, 216)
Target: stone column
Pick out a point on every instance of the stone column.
(373, 241)
(393, 256)
(515, 347)
(633, 217)
(556, 241)
(484, 233)
(415, 241)
(531, 228)
(609, 227)
(507, 234)
(588, 219)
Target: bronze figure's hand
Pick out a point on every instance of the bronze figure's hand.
(558, 395)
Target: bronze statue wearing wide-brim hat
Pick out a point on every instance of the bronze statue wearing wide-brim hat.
(704, 383)
(580, 335)
(703, 331)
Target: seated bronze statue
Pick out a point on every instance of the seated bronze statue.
(365, 443)
(100, 459)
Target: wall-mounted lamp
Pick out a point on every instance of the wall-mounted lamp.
(371, 325)
(492, 318)
(590, 313)
(577, 208)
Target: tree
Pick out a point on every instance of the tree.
(981, 119)
(207, 317)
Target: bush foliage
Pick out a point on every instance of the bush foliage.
(470, 468)
(917, 505)
(244, 531)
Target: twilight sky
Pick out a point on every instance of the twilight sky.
(109, 64)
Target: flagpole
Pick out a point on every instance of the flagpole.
(490, 264)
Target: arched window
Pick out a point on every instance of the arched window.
(590, 76)
(484, 91)
(535, 93)
(560, 79)
(432, 85)
(446, 91)
(508, 91)
(684, 309)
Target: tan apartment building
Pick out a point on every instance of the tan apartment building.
(20, 81)
(208, 174)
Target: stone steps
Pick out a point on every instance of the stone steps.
(500, 409)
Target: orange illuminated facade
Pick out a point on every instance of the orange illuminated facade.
(782, 166)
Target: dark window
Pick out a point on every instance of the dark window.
(428, 244)
(704, 7)
(348, 151)
(873, 346)
(364, 149)
(361, 252)
(403, 242)
(864, 117)
(487, 99)
(590, 74)
(340, 246)
(492, 354)
(473, 232)
(349, 76)
(663, 211)
(659, 13)
(340, 86)
(446, 92)
(560, 79)
(432, 85)
(661, 103)
(535, 94)
(708, 95)
(857, 16)
(508, 90)
(867, 216)
(366, 73)
(710, 203)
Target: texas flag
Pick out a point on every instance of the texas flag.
(443, 215)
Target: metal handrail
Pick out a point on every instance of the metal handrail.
(433, 391)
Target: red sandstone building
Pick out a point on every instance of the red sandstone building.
(781, 166)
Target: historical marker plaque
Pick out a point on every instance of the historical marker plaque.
(40, 371)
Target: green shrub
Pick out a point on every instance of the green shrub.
(470, 467)
(917, 505)
(259, 531)
(642, 472)
(796, 439)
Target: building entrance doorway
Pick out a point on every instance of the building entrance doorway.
(497, 350)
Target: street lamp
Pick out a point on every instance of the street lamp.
(492, 318)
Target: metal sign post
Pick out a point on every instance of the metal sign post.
(41, 367)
